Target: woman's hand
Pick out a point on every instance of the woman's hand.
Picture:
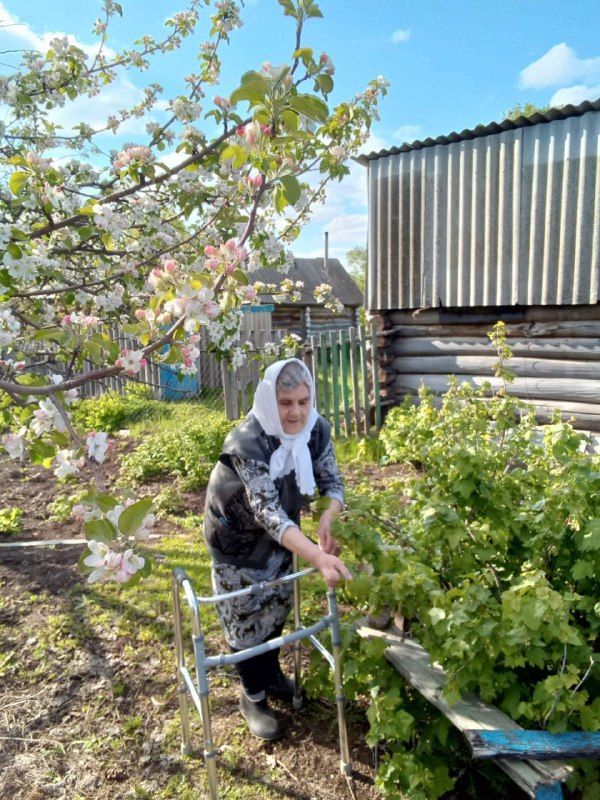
(331, 568)
(327, 543)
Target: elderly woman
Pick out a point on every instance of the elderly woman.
(270, 463)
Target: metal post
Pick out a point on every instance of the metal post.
(297, 699)
(209, 748)
(345, 762)
(184, 709)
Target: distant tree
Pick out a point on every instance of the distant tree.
(357, 265)
(526, 110)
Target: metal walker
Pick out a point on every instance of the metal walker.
(199, 692)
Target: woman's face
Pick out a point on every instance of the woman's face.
(293, 406)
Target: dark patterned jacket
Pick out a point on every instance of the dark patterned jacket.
(246, 513)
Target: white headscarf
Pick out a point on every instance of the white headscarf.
(293, 453)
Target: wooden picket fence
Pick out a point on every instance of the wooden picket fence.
(345, 369)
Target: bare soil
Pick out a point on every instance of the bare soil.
(89, 709)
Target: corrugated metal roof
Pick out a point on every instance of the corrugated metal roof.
(485, 130)
(312, 272)
(511, 218)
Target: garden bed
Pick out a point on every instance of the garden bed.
(88, 698)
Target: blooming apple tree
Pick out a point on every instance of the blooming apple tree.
(157, 248)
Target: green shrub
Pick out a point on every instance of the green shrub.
(188, 452)
(111, 411)
(11, 520)
(491, 547)
(61, 508)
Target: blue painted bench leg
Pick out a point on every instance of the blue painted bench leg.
(551, 791)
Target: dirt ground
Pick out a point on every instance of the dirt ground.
(90, 711)
(88, 699)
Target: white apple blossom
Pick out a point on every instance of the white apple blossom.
(14, 443)
(131, 361)
(67, 463)
(46, 418)
(97, 445)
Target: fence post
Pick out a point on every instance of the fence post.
(354, 375)
(335, 401)
(375, 375)
(365, 379)
(314, 361)
(325, 374)
(344, 377)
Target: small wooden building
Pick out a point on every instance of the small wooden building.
(497, 223)
(307, 317)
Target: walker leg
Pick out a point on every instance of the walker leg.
(297, 701)
(209, 748)
(345, 762)
(186, 747)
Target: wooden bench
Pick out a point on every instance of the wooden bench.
(527, 757)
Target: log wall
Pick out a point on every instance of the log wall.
(556, 355)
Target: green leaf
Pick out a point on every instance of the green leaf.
(105, 502)
(325, 83)
(591, 539)
(253, 91)
(289, 8)
(17, 180)
(39, 451)
(14, 250)
(582, 569)
(133, 516)
(311, 107)
(437, 614)
(291, 189)
(236, 153)
(241, 277)
(93, 350)
(100, 529)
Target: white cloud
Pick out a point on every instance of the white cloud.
(11, 26)
(574, 95)
(400, 36)
(560, 66)
(407, 133)
(121, 94)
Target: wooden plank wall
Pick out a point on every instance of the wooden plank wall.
(556, 355)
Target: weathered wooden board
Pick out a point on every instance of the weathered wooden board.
(562, 349)
(485, 365)
(573, 328)
(470, 713)
(580, 391)
(540, 745)
(484, 315)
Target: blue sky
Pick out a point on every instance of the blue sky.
(451, 65)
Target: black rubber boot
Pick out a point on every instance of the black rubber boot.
(261, 720)
(281, 687)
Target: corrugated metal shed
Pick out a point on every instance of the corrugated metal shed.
(505, 214)
(312, 272)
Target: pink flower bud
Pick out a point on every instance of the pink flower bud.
(230, 244)
(212, 309)
(170, 265)
(211, 263)
(66, 320)
(221, 102)
(210, 250)
(229, 267)
(250, 293)
(194, 339)
(257, 180)
(266, 130)
(241, 253)
(140, 314)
